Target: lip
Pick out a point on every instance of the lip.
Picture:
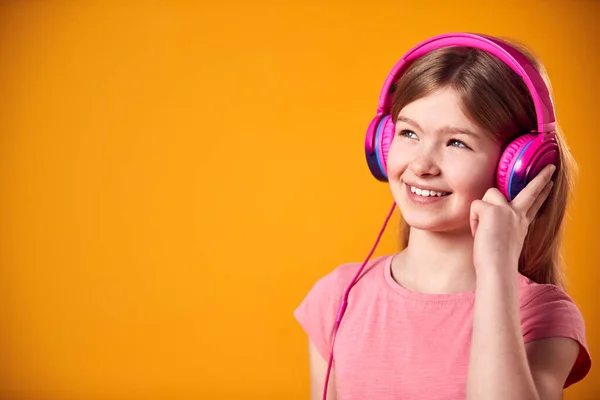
(420, 200)
(427, 187)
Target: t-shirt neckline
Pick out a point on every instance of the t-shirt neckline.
(419, 296)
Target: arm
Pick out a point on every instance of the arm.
(318, 372)
(550, 361)
(501, 366)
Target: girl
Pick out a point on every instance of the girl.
(473, 306)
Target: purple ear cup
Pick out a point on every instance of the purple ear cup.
(378, 144)
(523, 159)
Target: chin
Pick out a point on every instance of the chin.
(430, 224)
(452, 215)
(435, 221)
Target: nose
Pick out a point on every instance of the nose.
(424, 164)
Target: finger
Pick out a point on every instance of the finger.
(494, 196)
(528, 196)
(535, 207)
(476, 209)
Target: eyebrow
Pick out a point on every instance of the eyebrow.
(450, 130)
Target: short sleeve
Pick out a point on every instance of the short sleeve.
(317, 312)
(549, 312)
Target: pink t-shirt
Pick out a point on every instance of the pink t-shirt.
(394, 343)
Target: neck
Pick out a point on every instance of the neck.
(436, 262)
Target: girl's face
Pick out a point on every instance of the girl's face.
(436, 147)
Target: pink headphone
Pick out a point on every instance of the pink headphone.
(522, 159)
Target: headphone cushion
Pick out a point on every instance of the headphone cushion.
(508, 160)
(387, 136)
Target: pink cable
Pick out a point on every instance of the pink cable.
(344, 303)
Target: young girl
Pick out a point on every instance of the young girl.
(473, 306)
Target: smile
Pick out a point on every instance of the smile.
(425, 196)
(427, 193)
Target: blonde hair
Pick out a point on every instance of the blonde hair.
(497, 99)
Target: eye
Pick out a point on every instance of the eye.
(408, 134)
(457, 143)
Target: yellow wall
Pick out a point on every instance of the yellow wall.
(175, 176)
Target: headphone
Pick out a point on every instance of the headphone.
(520, 162)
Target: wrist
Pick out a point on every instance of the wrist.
(502, 274)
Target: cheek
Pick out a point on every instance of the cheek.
(475, 178)
(397, 159)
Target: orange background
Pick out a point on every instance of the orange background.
(175, 176)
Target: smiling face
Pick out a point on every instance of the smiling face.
(438, 148)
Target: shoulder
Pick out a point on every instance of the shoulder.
(549, 312)
(318, 310)
(548, 302)
(545, 306)
(335, 282)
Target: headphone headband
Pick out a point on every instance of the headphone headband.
(544, 109)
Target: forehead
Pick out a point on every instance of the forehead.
(443, 111)
(440, 107)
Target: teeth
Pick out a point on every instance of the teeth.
(426, 193)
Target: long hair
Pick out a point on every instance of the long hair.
(498, 100)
